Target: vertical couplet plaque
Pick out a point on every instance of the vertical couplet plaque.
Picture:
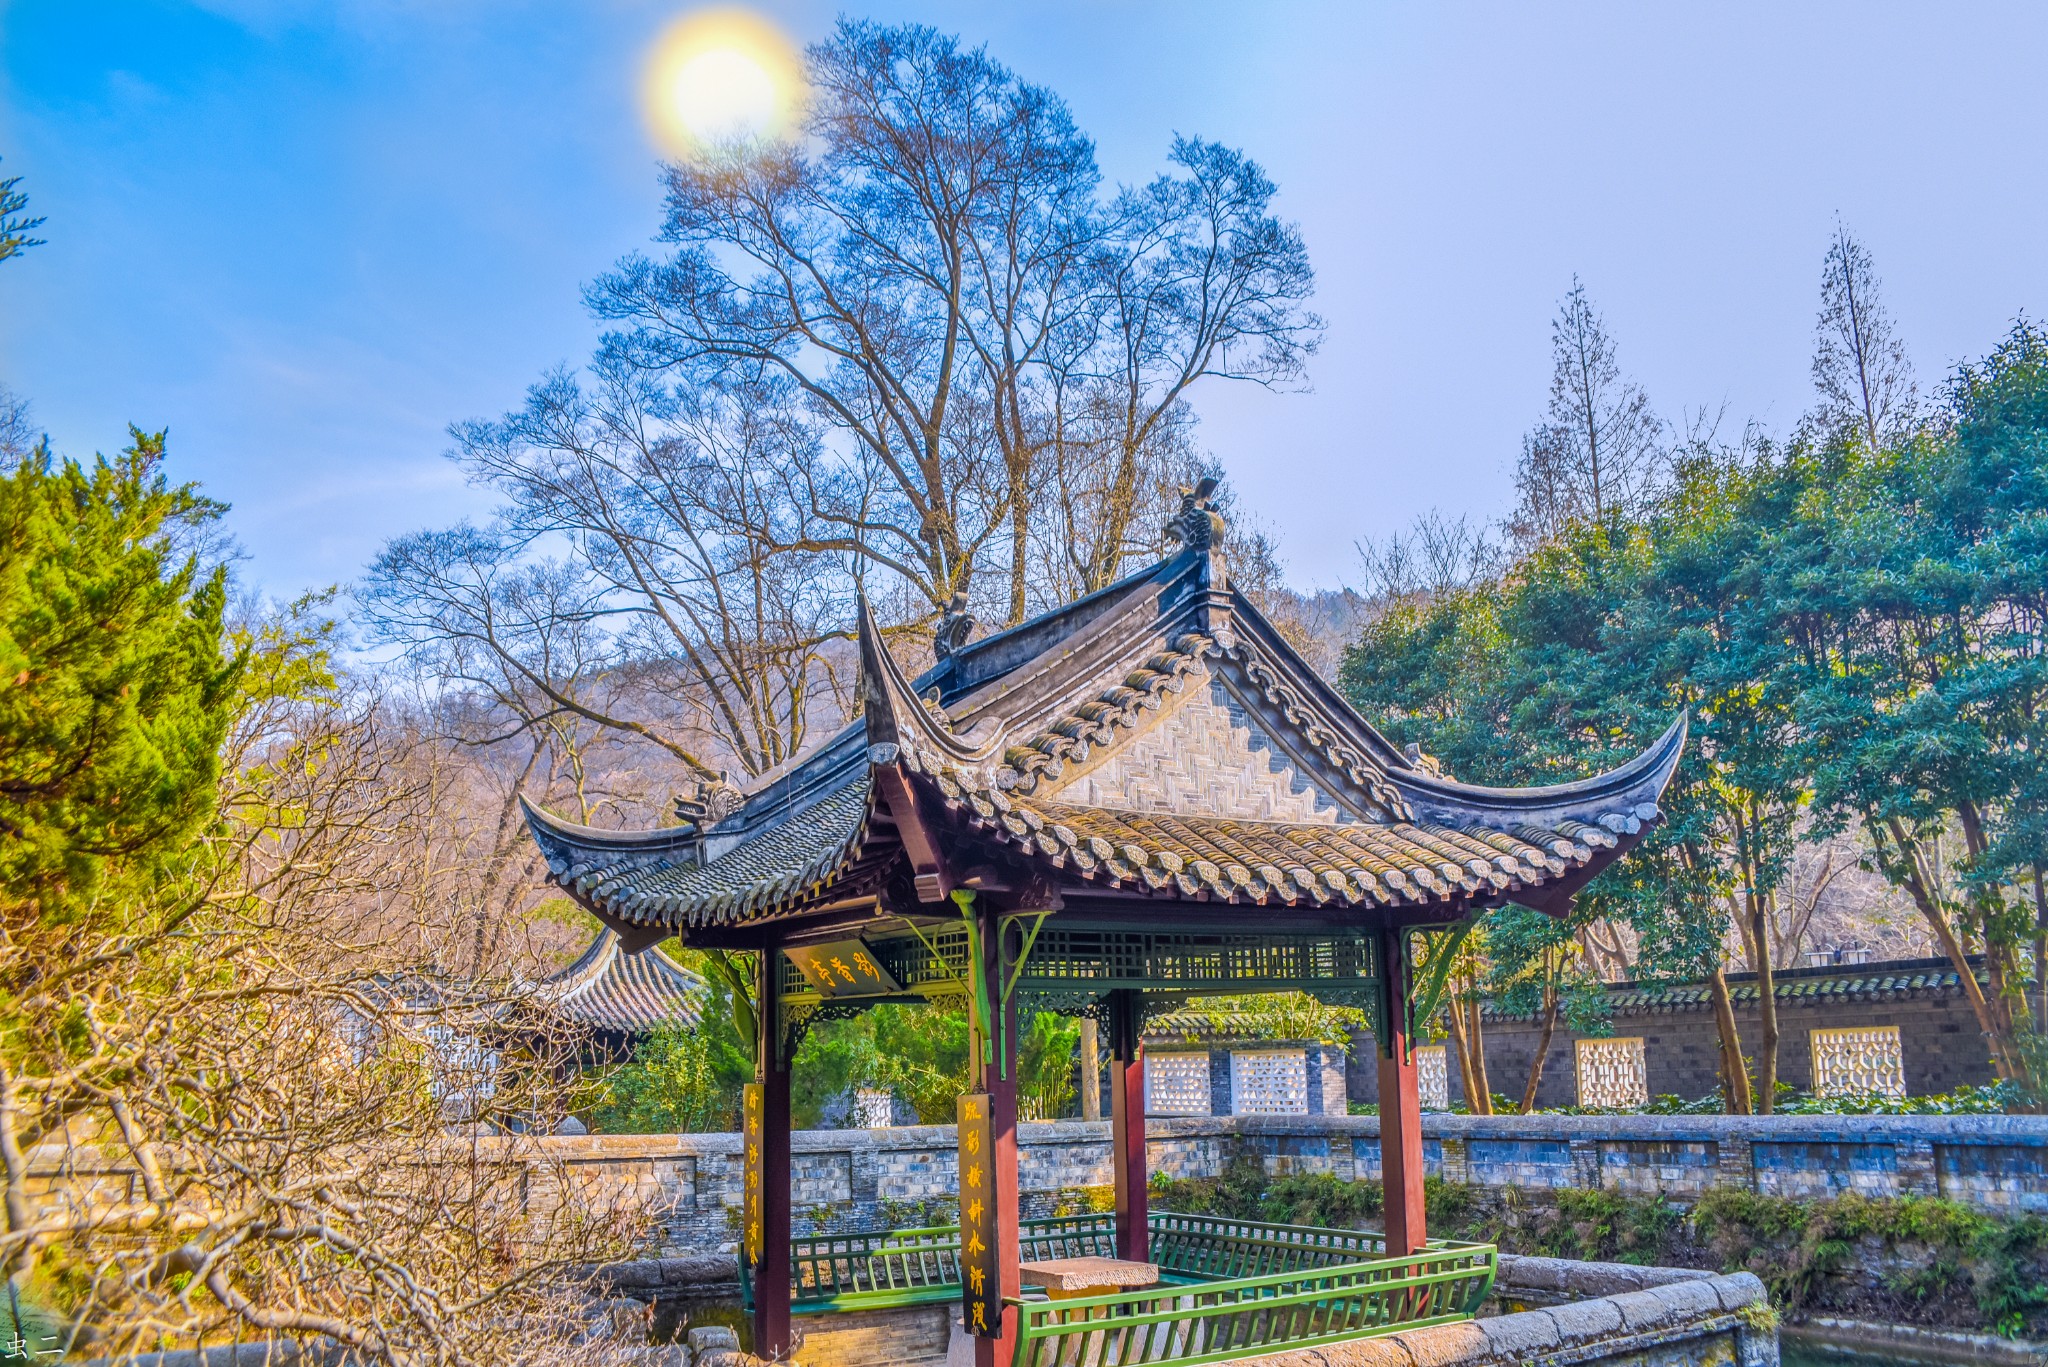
(750, 1172)
(980, 1284)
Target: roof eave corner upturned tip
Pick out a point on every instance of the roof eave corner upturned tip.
(901, 728)
(549, 830)
(883, 688)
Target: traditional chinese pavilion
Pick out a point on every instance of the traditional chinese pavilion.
(1142, 796)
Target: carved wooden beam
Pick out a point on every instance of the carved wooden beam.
(933, 880)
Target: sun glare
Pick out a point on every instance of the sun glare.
(720, 80)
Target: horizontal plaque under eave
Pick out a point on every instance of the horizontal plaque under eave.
(843, 968)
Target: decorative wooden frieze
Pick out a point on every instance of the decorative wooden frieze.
(1611, 1072)
(1860, 1061)
(1269, 1082)
(1433, 1077)
(1177, 1083)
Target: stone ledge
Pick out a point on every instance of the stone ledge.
(1630, 1325)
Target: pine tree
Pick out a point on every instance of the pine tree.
(115, 689)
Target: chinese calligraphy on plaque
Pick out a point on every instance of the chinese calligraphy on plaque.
(750, 1172)
(981, 1292)
(844, 968)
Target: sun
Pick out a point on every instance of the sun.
(721, 80)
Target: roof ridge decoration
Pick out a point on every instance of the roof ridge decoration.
(1200, 529)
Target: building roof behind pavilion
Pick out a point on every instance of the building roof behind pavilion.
(625, 994)
(1894, 980)
(1155, 742)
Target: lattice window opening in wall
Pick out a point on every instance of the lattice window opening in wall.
(874, 1108)
(1433, 1077)
(1612, 1072)
(1176, 1083)
(1269, 1082)
(1860, 1061)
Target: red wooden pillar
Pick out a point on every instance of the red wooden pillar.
(1400, 1104)
(999, 1080)
(771, 1071)
(1127, 1123)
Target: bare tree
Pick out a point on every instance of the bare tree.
(936, 280)
(1600, 449)
(1435, 556)
(686, 546)
(862, 275)
(17, 430)
(1859, 363)
(1196, 279)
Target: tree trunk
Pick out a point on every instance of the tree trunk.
(1476, 1100)
(1735, 1092)
(1767, 1006)
(2040, 954)
(1908, 868)
(1020, 545)
(1478, 1046)
(1542, 1046)
(1091, 1071)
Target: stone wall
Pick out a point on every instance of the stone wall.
(863, 1179)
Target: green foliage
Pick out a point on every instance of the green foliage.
(1245, 1192)
(1045, 1066)
(1941, 1246)
(116, 689)
(917, 1052)
(1856, 636)
(672, 1085)
(1278, 1016)
(15, 224)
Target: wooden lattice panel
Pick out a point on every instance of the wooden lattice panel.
(1269, 1082)
(1611, 1072)
(1177, 1084)
(1433, 1077)
(1858, 1062)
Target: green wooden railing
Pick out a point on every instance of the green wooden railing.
(866, 1271)
(1233, 1286)
(1209, 1321)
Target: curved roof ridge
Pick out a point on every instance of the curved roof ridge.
(1635, 783)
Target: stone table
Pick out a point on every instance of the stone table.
(1069, 1278)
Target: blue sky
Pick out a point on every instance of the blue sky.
(305, 237)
